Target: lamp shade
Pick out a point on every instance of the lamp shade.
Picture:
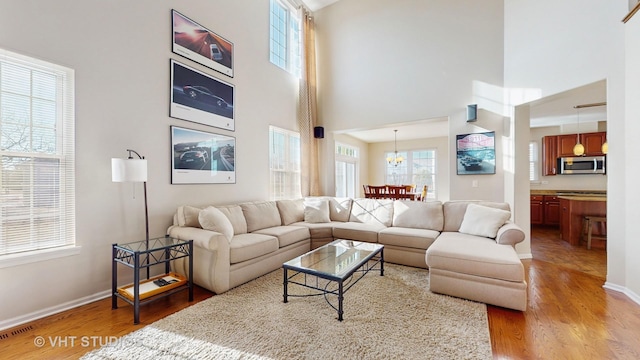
(128, 170)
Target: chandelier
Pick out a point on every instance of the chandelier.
(397, 159)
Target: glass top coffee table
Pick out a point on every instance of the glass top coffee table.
(336, 262)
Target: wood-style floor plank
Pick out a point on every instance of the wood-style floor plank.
(570, 314)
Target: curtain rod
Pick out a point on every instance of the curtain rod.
(590, 105)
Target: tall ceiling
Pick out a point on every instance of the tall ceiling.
(554, 110)
(314, 5)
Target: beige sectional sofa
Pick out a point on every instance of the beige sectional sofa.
(468, 245)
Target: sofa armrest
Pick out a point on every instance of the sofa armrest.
(206, 239)
(509, 234)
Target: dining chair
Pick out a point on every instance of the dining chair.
(378, 191)
(367, 192)
(423, 196)
(397, 192)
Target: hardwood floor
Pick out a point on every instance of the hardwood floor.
(570, 315)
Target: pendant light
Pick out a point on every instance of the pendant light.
(578, 149)
(397, 159)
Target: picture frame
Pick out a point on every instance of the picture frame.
(200, 157)
(476, 153)
(201, 98)
(197, 43)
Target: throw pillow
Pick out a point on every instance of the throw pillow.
(214, 220)
(316, 211)
(188, 216)
(483, 221)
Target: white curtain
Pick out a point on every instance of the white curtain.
(307, 109)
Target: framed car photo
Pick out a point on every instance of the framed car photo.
(199, 157)
(476, 153)
(201, 98)
(197, 43)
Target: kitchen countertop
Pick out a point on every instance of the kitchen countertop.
(583, 198)
(598, 193)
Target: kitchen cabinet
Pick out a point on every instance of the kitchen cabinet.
(565, 219)
(551, 210)
(545, 210)
(557, 146)
(574, 208)
(592, 143)
(566, 144)
(537, 209)
(549, 155)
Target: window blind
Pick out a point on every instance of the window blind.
(37, 188)
(284, 164)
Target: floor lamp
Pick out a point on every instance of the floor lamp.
(133, 170)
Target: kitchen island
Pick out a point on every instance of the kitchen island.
(573, 209)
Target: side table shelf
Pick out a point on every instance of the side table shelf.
(146, 254)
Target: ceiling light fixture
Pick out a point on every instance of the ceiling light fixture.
(397, 159)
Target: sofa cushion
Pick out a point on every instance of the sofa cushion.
(454, 211)
(340, 209)
(407, 237)
(214, 220)
(418, 214)
(235, 215)
(261, 215)
(318, 230)
(188, 216)
(250, 246)
(372, 211)
(286, 235)
(473, 255)
(316, 210)
(291, 211)
(483, 221)
(357, 231)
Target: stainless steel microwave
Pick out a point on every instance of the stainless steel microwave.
(582, 165)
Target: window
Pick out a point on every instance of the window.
(346, 170)
(533, 161)
(418, 168)
(284, 164)
(284, 37)
(37, 188)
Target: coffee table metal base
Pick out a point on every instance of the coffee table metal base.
(343, 283)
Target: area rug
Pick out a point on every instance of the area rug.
(385, 317)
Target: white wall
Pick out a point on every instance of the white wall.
(556, 46)
(392, 61)
(489, 187)
(120, 51)
(631, 191)
(562, 182)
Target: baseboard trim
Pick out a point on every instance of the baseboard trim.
(525, 256)
(621, 289)
(17, 321)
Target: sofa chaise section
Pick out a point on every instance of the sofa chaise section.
(478, 267)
